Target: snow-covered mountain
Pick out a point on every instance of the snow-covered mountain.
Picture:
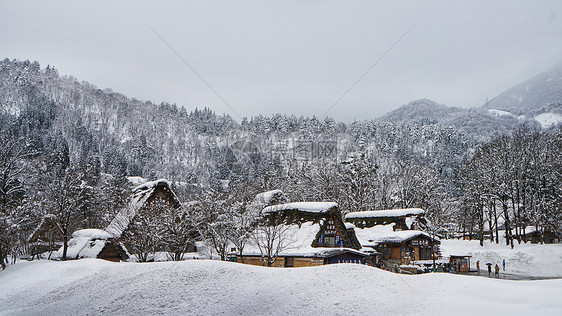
(478, 122)
(141, 138)
(537, 101)
(543, 89)
(423, 110)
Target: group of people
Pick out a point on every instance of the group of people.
(496, 269)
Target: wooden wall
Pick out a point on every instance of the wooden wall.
(280, 262)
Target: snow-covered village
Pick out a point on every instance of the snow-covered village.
(290, 157)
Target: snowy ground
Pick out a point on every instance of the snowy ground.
(527, 259)
(204, 287)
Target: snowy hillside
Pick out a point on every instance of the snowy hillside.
(477, 122)
(200, 287)
(533, 93)
(420, 110)
(549, 119)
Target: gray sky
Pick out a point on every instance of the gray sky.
(294, 56)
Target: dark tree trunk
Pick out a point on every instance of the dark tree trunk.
(496, 222)
(481, 223)
(64, 245)
(506, 223)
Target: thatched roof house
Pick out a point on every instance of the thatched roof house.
(94, 243)
(396, 234)
(47, 236)
(143, 196)
(315, 235)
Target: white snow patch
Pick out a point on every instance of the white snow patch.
(527, 259)
(349, 226)
(136, 180)
(264, 199)
(499, 113)
(548, 119)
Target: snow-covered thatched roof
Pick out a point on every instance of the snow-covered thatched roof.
(405, 212)
(306, 207)
(268, 196)
(373, 236)
(299, 241)
(136, 180)
(141, 195)
(85, 243)
(265, 199)
(48, 224)
(151, 185)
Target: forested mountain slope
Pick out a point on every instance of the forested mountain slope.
(478, 123)
(198, 147)
(535, 93)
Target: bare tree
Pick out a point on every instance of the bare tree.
(65, 195)
(12, 154)
(272, 237)
(144, 234)
(242, 225)
(215, 224)
(178, 232)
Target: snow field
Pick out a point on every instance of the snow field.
(528, 259)
(206, 287)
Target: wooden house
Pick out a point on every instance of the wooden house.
(399, 247)
(142, 198)
(390, 232)
(460, 263)
(94, 243)
(316, 235)
(47, 236)
(545, 236)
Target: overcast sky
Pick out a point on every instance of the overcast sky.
(294, 56)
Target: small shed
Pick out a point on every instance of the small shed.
(94, 243)
(47, 236)
(460, 263)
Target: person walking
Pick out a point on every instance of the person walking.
(503, 263)
(497, 274)
(478, 266)
(489, 269)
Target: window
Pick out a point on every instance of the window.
(289, 262)
(425, 254)
(329, 241)
(386, 253)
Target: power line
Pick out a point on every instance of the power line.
(194, 71)
(368, 70)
